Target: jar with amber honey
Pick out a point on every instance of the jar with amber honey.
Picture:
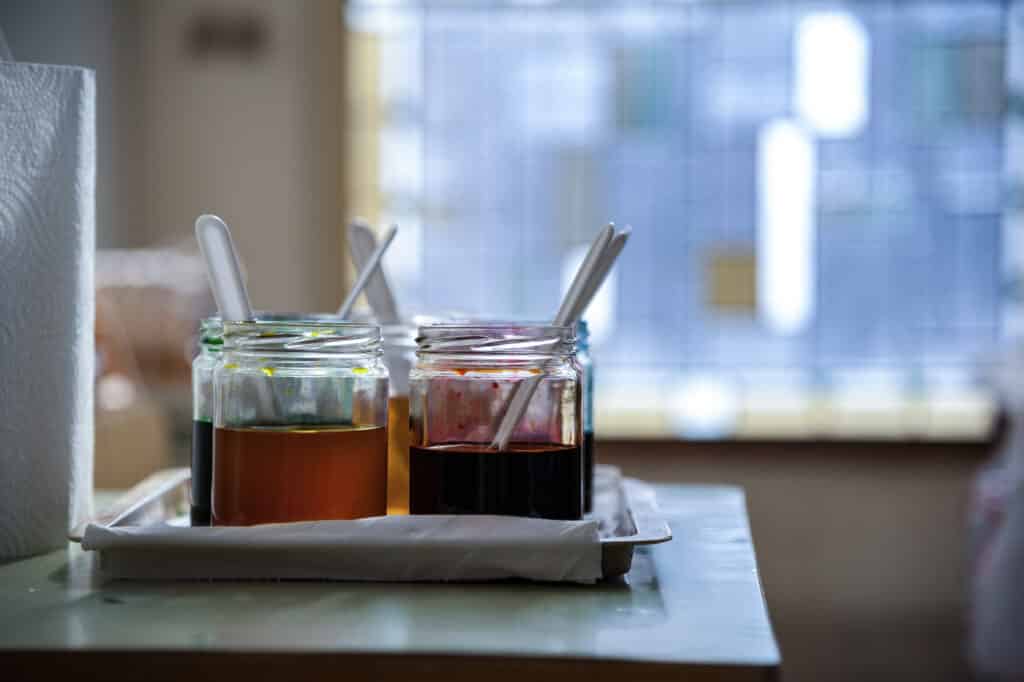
(300, 422)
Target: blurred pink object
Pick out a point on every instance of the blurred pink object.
(149, 302)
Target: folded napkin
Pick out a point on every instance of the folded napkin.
(385, 548)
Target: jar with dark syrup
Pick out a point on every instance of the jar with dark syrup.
(464, 377)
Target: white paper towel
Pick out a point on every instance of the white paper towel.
(47, 246)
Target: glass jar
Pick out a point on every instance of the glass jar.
(300, 423)
(399, 342)
(203, 365)
(211, 341)
(464, 377)
(587, 377)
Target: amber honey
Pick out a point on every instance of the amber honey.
(275, 474)
(398, 455)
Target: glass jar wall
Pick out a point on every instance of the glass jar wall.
(203, 365)
(587, 379)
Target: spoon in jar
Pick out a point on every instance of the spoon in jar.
(223, 269)
(362, 243)
(598, 262)
(604, 266)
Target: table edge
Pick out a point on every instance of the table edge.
(168, 664)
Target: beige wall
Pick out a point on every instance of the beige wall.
(255, 141)
(82, 33)
(860, 548)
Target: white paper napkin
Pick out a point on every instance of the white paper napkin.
(386, 548)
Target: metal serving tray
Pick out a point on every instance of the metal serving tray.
(625, 509)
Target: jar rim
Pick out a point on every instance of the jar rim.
(307, 335)
(496, 337)
(531, 325)
(399, 336)
(270, 316)
(583, 335)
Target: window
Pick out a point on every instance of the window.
(815, 191)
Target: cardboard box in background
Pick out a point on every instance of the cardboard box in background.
(131, 443)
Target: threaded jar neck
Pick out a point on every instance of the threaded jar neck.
(500, 343)
(305, 339)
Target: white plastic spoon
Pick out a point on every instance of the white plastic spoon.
(223, 269)
(362, 243)
(608, 258)
(586, 269)
(367, 271)
(225, 274)
(588, 278)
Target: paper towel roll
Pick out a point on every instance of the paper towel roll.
(47, 247)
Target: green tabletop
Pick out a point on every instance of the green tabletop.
(692, 606)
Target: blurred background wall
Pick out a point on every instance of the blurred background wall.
(212, 106)
(70, 32)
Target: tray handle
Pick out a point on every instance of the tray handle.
(151, 488)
